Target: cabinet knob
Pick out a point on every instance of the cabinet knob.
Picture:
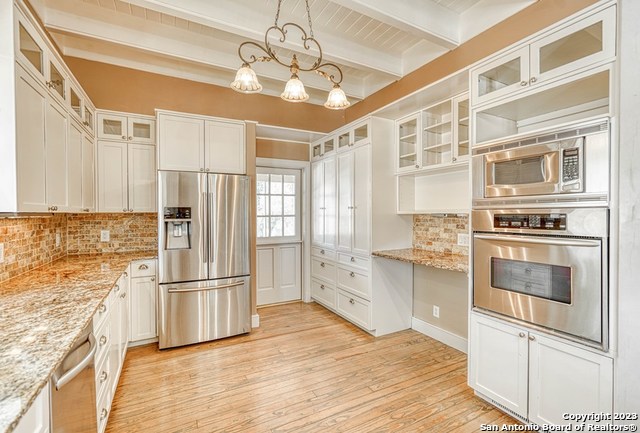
(202, 169)
(353, 259)
(206, 169)
(130, 210)
(85, 123)
(321, 251)
(532, 338)
(523, 83)
(454, 159)
(153, 278)
(143, 267)
(417, 166)
(117, 287)
(124, 137)
(352, 274)
(86, 209)
(322, 286)
(102, 308)
(521, 335)
(124, 294)
(322, 265)
(103, 340)
(103, 376)
(103, 413)
(352, 301)
(130, 138)
(124, 210)
(533, 80)
(125, 274)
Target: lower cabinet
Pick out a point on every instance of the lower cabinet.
(36, 420)
(534, 376)
(143, 302)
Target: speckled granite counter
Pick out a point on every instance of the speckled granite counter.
(448, 261)
(42, 313)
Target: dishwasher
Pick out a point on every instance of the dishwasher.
(73, 388)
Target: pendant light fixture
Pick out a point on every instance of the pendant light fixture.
(247, 82)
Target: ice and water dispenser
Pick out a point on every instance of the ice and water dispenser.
(177, 228)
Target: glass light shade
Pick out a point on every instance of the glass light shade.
(294, 90)
(246, 81)
(337, 100)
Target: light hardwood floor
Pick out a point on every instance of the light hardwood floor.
(303, 370)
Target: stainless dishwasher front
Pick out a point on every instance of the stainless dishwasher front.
(73, 388)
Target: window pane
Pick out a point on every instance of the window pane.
(289, 184)
(276, 184)
(276, 205)
(262, 227)
(262, 184)
(263, 205)
(290, 226)
(276, 227)
(290, 205)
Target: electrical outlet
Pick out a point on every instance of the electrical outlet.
(463, 239)
(57, 240)
(1, 253)
(436, 311)
(105, 235)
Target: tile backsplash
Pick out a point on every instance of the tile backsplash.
(127, 232)
(30, 242)
(437, 232)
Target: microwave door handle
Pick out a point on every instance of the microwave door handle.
(537, 240)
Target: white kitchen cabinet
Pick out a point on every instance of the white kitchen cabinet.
(354, 135)
(538, 378)
(198, 143)
(126, 177)
(37, 418)
(143, 289)
(75, 165)
(324, 203)
(56, 129)
(88, 173)
(56, 79)
(562, 51)
(322, 148)
(119, 329)
(125, 127)
(407, 143)
(354, 202)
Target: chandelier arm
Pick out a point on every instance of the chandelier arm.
(252, 59)
(328, 76)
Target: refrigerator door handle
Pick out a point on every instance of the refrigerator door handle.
(204, 289)
(212, 226)
(205, 226)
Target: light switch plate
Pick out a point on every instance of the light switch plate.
(105, 235)
(57, 240)
(1, 253)
(463, 239)
(436, 311)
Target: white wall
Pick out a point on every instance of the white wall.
(627, 371)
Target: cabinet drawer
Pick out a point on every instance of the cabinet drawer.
(354, 309)
(323, 253)
(143, 268)
(324, 293)
(354, 261)
(102, 312)
(103, 408)
(103, 339)
(354, 281)
(324, 270)
(103, 374)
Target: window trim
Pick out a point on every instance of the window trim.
(297, 238)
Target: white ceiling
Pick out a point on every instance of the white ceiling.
(375, 42)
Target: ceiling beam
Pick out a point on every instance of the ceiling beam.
(157, 38)
(248, 21)
(423, 19)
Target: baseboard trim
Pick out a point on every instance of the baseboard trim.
(255, 321)
(143, 342)
(439, 334)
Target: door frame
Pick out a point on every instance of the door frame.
(305, 213)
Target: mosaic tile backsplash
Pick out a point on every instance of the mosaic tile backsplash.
(30, 242)
(435, 232)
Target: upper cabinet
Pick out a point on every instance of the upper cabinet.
(322, 148)
(356, 135)
(198, 143)
(564, 51)
(126, 128)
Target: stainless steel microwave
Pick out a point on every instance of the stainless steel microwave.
(553, 167)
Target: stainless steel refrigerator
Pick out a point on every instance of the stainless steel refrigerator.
(203, 256)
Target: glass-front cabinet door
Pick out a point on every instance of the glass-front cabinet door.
(56, 80)
(344, 140)
(88, 117)
(361, 134)
(578, 45)
(437, 135)
(461, 128)
(75, 101)
(316, 150)
(112, 126)
(328, 146)
(29, 49)
(501, 76)
(407, 143)
(141, 130)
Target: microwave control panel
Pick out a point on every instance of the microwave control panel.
(530, 221)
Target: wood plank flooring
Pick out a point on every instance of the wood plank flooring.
(303, 370)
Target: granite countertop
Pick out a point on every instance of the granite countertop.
(448, 261)
(42, 313)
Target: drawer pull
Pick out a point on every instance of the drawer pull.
(322, 264)
(117, 288)
(123, 295)
(102, 308)
(103, 340)
(521, 335)
(103, 414)
(532, 338)
(322, 286)
(153, 278)
(125, 274)
(353, 259)
(352, 301)
(103, 376)
(321, 251)
(143, 267)
(352, 274)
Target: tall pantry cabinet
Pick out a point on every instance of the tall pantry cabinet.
(353, 215)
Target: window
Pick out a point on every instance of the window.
(278, 205)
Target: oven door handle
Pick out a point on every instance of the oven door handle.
(539, 240)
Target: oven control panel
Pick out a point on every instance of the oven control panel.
(530, 221)
(571, 164)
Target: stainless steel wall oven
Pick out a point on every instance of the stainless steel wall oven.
(546, 267)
